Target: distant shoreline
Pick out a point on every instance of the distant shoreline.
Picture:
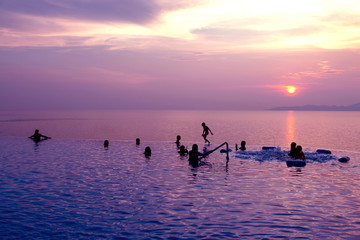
(354, 107)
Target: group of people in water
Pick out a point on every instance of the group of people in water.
(296, 151)
(194, 154)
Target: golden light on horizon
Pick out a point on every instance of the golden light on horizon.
(291, 89)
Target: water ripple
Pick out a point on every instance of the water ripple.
(71, 189)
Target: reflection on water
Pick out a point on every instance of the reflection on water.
(79, 189)
(290, 136)
(336, 130)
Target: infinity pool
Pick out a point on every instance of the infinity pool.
(73, 189)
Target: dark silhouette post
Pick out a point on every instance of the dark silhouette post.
(138, 141)
(106, 143)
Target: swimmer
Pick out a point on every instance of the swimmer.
(293, 151)
(183, 150)
(106, 143)
(37, 136)
(194, 155)
(138, 141)
(147, 152)
(243, 148)
(178, 137)
(206, 131)
(300, 153)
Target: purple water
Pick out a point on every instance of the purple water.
(335, 130)
(70, 187)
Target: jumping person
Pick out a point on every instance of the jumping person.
(206, 131)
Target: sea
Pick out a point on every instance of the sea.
(71, 187)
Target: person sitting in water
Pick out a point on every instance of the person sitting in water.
(293, 151)
(147, 152)
(300, 153)
(242, 147)
(206, 131)
(194, 155)
(178, 138)
(37, 137)
(183, 150)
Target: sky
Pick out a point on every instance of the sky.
(165, 54)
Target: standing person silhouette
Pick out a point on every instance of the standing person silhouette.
(206, 131)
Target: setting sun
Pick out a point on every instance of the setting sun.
(291, 89)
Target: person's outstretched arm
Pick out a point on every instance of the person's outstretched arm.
(46, 137)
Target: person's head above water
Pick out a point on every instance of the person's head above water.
(195, 147)
(299, 148)
(36, 131)
(178, 137)
(138, 141)
(106, 143)
(243, 143)
(147, 151)
(293, 145)
(203, 124)
(183, 150)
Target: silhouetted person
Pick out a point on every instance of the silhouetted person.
(178, 138)
(293, 151)
(206, 131)
(37, 137)
(242, 147)
(138, 141)
(147, 152)
(106, 143)
(194, 155)
(183, 150)
(300, 153)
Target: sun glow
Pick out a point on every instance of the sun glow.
(291, 89)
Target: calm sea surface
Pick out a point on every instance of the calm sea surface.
(71, 187)
(335, 130)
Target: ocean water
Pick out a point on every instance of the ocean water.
(71, 187)
(334, 130)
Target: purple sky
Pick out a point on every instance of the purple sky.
(158, 54)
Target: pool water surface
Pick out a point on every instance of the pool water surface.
(77, 189)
